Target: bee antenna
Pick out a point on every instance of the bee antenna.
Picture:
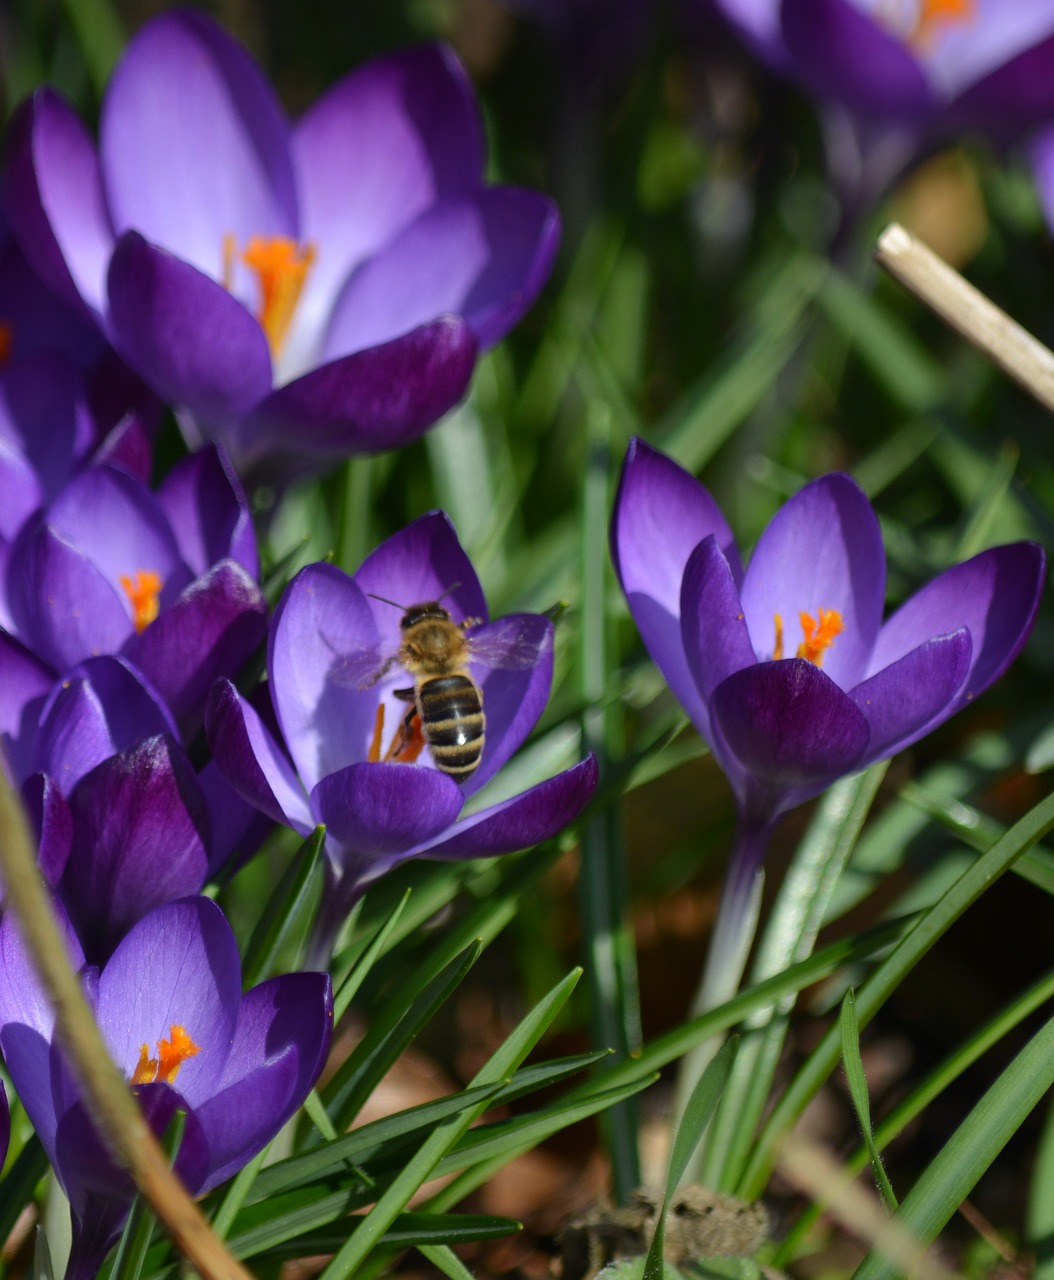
(383, 600)
(453, 587)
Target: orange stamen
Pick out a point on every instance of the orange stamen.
(281, 266)
(171, 1054)
(933, 13)
(374, 753)
(820, 633)
(144, 595)
(777, 648)
(7, 342)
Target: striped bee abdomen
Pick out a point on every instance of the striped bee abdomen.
(452, 723)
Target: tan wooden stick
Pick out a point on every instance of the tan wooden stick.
(106, 1093)
(968, 311)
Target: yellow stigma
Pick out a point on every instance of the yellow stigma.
(144, 595)
(820, 633)
(171, 1054)
(281, 266)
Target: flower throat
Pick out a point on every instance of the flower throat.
(820, 633)
(281, 266)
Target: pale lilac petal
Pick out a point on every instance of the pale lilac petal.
(323, 647)
(822, 550)
(205, 505)
(27, 1057)
(22, 997)
(844, 54)
(369, 402)
(483, 256)
(188, 338)
(377, 811)
(994, 596)
(54, 198)
(661, 514)
(524, 820)
(914, 694)
(789, 725)
(20, 491)
(251, 760)
(1041, 152)
(280, 1046)
(193, 143)
(371, 155)
(177, 967)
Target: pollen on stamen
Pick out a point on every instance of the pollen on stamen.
(777, 648)
(281, 266)
(171, 1054)
(144, 595)
(820, 633)
(374, 753)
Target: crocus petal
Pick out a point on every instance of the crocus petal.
(194, 343)
(205, 505)
(209, 632)
(1041, 151)
(193, 143)
(25, 682)
(422, 562)
(44, 414)
(368, 402)
(321, 621)
(5, 1125)
(661, 514)
(22, 997)
(484, 256)
(994, 596)
(52, 823)
(1012, 98)
(55, 200)
(379, 810)
(844, 54)
(178, 966)
(27, 1057)
(21, 492)
(280, 1046)
(238, 828)
(372, 155)
(63, 606)
(141, 839)
(789, 725)
(822, 550)
(101, 707)
(535, 815)
(251, 761)
(913, 695)
(514, 694)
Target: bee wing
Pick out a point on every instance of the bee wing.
(359, 668)
(516, 643)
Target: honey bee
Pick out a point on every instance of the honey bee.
(446, 704)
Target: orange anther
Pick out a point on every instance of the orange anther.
(281, 266)
(820, 633)
(374, 753)
(934, 13)
(144, 595)
(171, 1054)
(777, 648)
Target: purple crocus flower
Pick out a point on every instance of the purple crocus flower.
(344, 727)
(167, 580)
(170, 1007)
(787, 669)
(303, 292)
(899, 77)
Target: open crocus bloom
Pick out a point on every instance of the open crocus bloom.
(342, 720)
(303, 292)
(170, 1007)
(787, 669)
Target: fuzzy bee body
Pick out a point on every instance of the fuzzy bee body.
(452, 722)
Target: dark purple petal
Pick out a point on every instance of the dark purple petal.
(194, 343)
(127, 445)
(193, 143)
(204, 503)
(141, 839)
(994, 596)
(5, 1125)
(845, 54)
(661, 514)
(789, 725)
(208, 633)
(423, 562)
(514, 696)
(1012, 98)
(251, 761)
(913, 695)
(44, 415)
(375, 811)
(24, 685)
(372, 155)
(368, 402)
(280, 1046)
(321, 623)
(758, 22)
(1041, 152)
(482, 256)
(238, 828)
(526, 819)
(101, 707)
(27, 1057)
(822, 550)
(52, 823)
(178, 966)
(63, 606)
(54, 198)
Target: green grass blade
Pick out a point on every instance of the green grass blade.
(855, 1078)
(349, 987)
(289, 912)
(1040, 1223)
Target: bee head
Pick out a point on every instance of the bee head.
(429, 611)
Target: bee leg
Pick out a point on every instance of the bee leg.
(466, 624)
(404, 695)
(408, 742)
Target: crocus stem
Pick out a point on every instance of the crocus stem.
(730, 942)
